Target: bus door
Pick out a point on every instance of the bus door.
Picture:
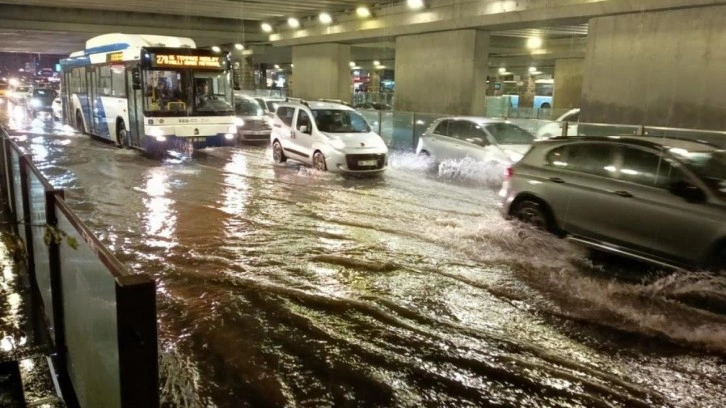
(92, 119)
(136, 110)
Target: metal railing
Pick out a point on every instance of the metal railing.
(101, 318)
(402, 130)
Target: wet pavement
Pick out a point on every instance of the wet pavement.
(282, 286)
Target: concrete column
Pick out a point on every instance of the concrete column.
(375, 84)
(657, 68)
(442, 72)
(322, 71)
(568, 83)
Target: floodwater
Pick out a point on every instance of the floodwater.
(282, 286)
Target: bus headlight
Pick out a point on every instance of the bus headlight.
(157, 134)
(239, 122)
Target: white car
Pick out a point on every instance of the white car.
(57, 109)
(269, 105)
(480, 139)
(21, 93)
(555, 128)
(328, 136)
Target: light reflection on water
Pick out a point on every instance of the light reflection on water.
(280, 285)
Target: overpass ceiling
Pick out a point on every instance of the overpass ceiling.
(231, 9)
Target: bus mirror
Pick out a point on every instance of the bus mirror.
(136, 78)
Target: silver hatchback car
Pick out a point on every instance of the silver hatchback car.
(656, 199)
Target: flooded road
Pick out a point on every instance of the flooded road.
(282, 286)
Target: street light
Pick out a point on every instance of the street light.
(363, 12)
(325, 18)
(415, 4)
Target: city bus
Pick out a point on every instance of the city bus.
(145, 92)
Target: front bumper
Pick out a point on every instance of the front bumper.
(356, 163)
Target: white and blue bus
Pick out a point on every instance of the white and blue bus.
(150, 92)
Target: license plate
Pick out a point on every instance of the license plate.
(367, 162)
(197, 139)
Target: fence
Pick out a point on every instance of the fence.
(401, 130)
(101, 319)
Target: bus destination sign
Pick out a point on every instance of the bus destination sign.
(187, 61)
(115, 57)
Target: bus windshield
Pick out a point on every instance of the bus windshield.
(183, 92)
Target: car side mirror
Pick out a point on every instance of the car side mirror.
(687, 191)
(305, 129)
(136, 78)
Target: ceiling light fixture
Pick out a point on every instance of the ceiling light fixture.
(216, 49)
(293, 22)
(352, 64)
(376, 63)
(239, 47)
(363, 12)
(325, 18)
(415, 4)
(534, 43)
(502, 70)
(266, 27)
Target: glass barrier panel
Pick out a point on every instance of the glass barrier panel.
(372, 118)
(89, 302)
(537, 126)
(397, 129)
(17, 189)
(715, 138)
(40, 248)
(600, 129)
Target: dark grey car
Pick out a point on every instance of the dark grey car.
(657, 199)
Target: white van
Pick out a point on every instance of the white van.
(328, 136)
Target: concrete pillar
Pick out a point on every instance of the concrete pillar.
(568, 83)
(442, 72)
(375, 82)
(657, 68)
(322, 71)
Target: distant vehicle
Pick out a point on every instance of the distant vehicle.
(656, 199)
(328, 136)
(57, 109)
(269, 105)
(555, 128)
(150, 92)
(20, 93)
(252, 123)
(481, 139)
(374, 106)
(543, 91)
(41, 100)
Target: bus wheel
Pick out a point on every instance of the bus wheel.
(79, 123)
(122, 136)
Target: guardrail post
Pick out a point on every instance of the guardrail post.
(380, 121)
(413, 131)
(10, 185)
(25, 196)
(565, 128)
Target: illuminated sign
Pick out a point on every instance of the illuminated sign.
(115, 57)
(188, 61)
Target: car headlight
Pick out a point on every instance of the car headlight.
(158, 134)
(35, 103)
(233, 128)
(337, 144)
(239, 122)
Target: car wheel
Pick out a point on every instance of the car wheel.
(123, 136)
(424, 153)
(532, 212)
(277, 154)
(79, 123)
(319, 162)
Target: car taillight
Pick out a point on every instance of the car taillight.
(510, 172)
